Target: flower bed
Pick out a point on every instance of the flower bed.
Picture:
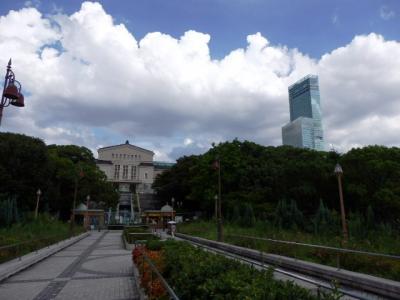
(196, 274)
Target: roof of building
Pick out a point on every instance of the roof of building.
(167, 208)
(81, 206)
(126, 144)
(302, 79)
(146, 164)
(103, 162)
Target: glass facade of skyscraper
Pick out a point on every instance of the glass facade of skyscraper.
(305, 129)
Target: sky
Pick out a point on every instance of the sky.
(176, 76)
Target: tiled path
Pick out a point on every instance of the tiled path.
(96, 267)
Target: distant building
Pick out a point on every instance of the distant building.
(305, 127)
(133, 171)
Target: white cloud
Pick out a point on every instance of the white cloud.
(89, 81)
(386, 13)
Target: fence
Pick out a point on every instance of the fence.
(336, 250)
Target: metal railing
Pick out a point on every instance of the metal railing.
(155, 271)
(335, 249)
(322, 286)
(17, 250)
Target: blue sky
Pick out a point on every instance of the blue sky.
(313, 26)
(176, 76)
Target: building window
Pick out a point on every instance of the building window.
(116, 171)
(133, 172)
(113, 155)
(125, 172)
(145, 175)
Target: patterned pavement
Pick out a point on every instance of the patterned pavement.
(97, 267)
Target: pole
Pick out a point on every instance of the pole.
(219, 221)
(87, 211)
(74, 202)
(342, 211)
(3, 100)
(37, 204)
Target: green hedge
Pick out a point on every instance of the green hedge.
(197, 274)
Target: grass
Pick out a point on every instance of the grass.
(376, 242)
(32, 235)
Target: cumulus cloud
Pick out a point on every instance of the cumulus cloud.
(89, 81)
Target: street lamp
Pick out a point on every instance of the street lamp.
(87, 210)
(76, 181)
(173, 202)
(216, 207)
(38, 193)
(339, 173)
(11, 91)
(217, 166)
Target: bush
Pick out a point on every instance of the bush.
(197, 274)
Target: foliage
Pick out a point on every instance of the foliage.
(325, 221)
(196, 274)
(151, 283)
(381, 240)
(288, 216)
(8, 210)
(27, 164)
(265, 176)
(33, 234)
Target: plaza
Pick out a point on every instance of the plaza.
(96, 267)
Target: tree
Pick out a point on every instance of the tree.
(27, 164)
(24, 167)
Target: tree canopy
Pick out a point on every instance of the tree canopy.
(27, 164)
(264, 176)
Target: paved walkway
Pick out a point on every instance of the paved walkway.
(96, 267)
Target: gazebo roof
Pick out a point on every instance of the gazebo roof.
(167, 208)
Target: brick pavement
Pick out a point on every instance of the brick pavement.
(97, 267)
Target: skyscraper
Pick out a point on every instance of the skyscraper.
(305, 127)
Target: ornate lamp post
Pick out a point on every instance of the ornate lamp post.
(38, 193)
(339, 173)
(11, 91)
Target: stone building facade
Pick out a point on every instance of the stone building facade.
(132, 170)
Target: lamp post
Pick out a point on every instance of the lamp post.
(11, 91)
(76, 181)
(339, 173)
(216, 207)
(217, 166)
(173, 202)
(38, 193)
(87, 210)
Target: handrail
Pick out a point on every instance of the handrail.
(319, 246)
(163, 281)
(252, 262)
